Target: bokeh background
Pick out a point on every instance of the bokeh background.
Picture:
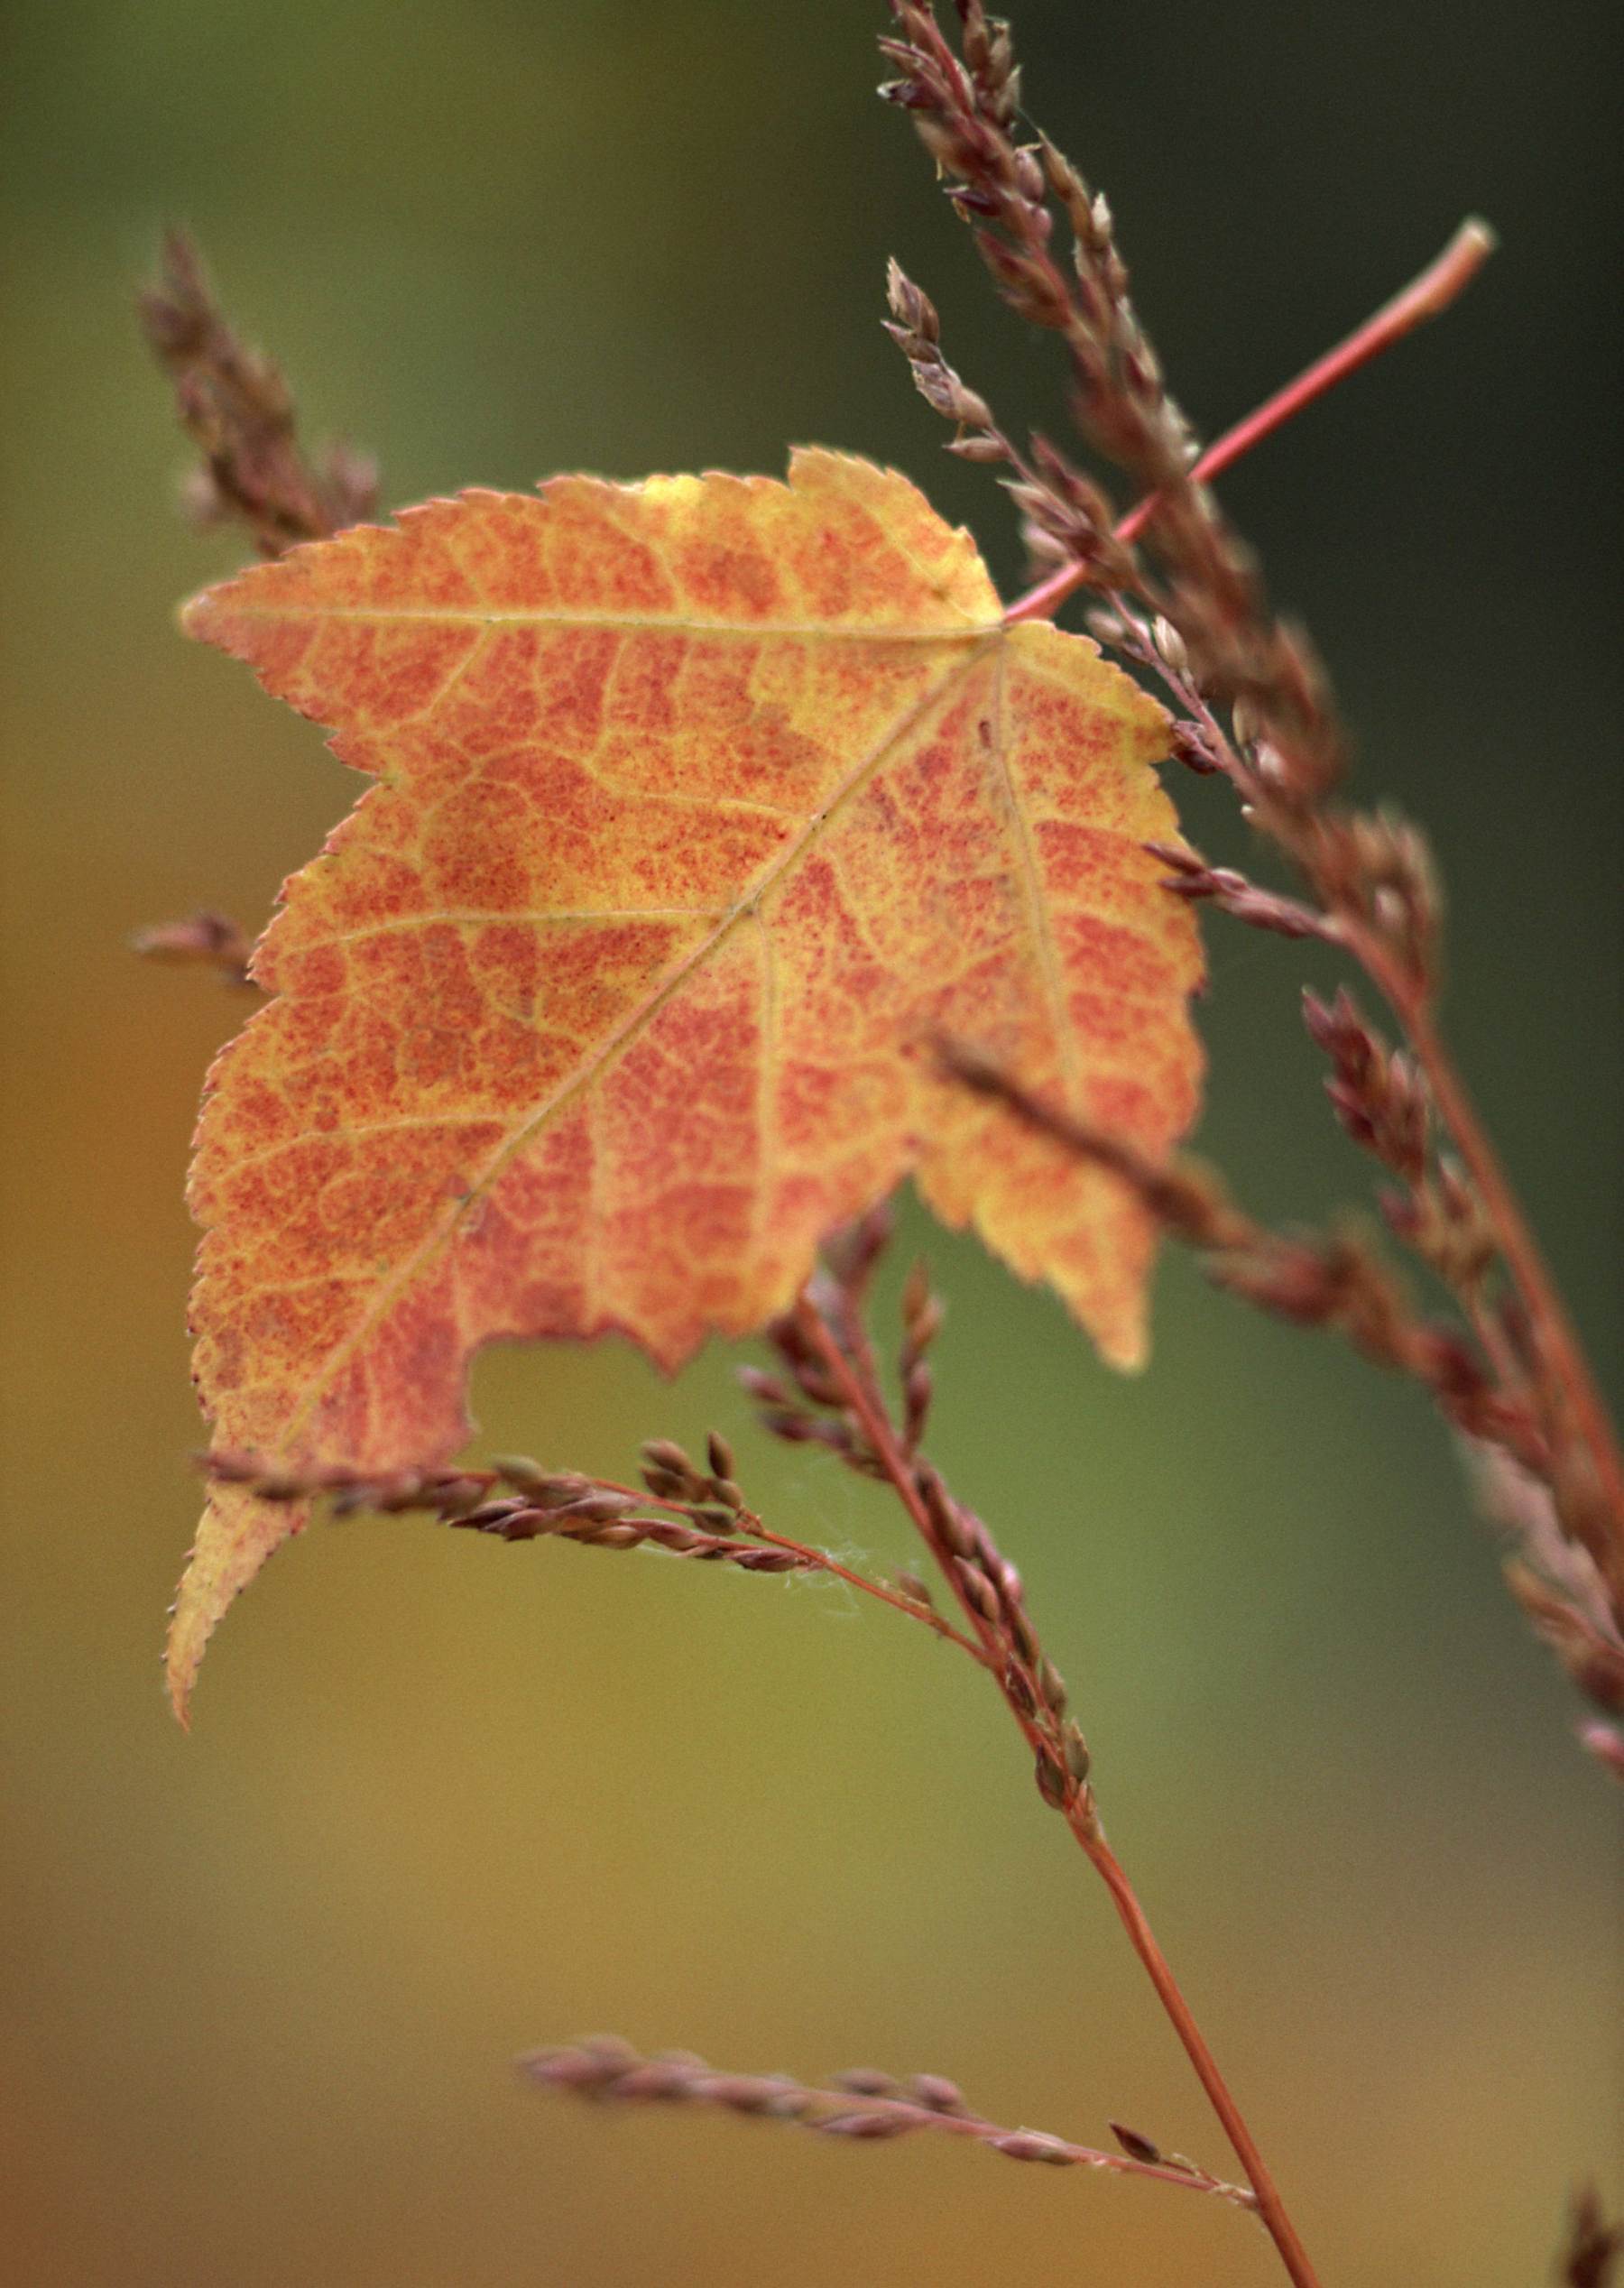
(259, 1987)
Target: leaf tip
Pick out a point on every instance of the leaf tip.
(237, 1533)
(179, 1675)
(1128, 1352)
(196, 617)
(188, 1631)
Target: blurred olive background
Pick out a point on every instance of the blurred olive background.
(260, 1985)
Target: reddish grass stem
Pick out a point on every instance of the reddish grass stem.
(1272, 2208)
(857, 1393)
(1519, 1250)
(1424, 297)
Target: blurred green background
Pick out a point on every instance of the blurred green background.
(258, 1987)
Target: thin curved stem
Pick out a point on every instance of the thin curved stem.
(1520, 1250)
(824, 1563)
(1424, 297)
(869, 1413)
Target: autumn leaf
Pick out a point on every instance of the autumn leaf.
(702, 805)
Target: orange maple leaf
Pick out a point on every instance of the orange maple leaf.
(702, 805)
